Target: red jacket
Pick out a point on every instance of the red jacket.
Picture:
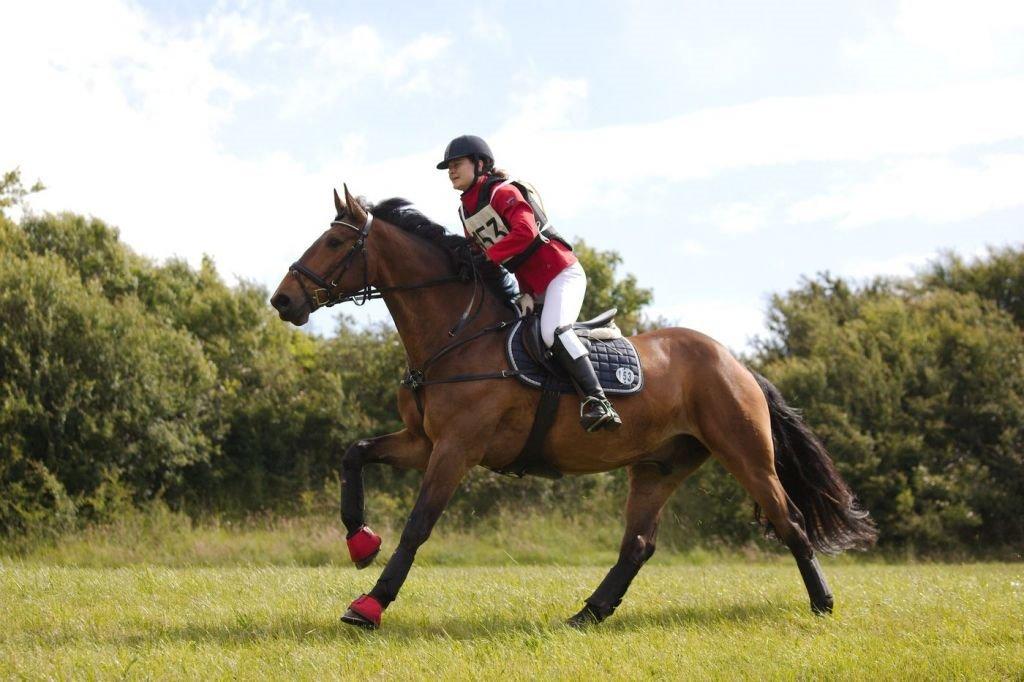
(536, 273)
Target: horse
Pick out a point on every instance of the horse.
(460, 410)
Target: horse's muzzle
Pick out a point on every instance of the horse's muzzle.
(290, 310)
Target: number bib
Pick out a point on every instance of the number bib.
(485, 226)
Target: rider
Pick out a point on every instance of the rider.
(505, 228)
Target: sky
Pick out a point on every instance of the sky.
(724, 149)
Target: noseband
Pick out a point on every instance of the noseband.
(324, 294)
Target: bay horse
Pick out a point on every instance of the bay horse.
(461, 411)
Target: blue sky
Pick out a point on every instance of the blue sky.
(725, 149)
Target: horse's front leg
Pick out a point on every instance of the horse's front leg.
(403, 450)
(448, 465)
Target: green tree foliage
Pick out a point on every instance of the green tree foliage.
(122, 380)
(160, 380)
(12, 192)
(92, 389)
(606, 290)
(918, 391)
(999, 277)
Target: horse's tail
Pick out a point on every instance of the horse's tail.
(834, 519)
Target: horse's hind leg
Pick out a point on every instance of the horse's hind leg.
(764, 486)
(403, 450)
(650, 485)
(740, 437)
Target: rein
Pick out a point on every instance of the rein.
(325, 295)
(415, 379)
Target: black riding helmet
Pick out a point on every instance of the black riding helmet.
(466, 145)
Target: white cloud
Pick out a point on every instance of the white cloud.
(690, 247)
(730, 322)
(982, 34)
(485, 28)
(122, 117)
(932, 190)
(330, 60)
(929, 41)
(235, 32)
(553, 105)
(902, 265)
(739, 218)
(770, 132)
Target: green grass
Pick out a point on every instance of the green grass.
(162, 538)
(747, 620)
(155, 595)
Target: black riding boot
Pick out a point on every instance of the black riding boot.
(595, 410)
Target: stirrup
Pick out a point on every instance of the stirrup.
(609, 419)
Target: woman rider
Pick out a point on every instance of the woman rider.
(503, 225)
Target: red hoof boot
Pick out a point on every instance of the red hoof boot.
(363, 546)
(363, 612)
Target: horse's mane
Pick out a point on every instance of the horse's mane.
(402, 214)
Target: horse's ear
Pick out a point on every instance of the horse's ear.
(355, 211)
(338, 206)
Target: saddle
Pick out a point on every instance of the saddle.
(614, 358)
(615, 361)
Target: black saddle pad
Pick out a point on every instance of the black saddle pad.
(615, 361)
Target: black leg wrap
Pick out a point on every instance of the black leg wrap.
(590, 615)
(393, 576)
(609, 593)
(611, 590)
(817, 588)
(352, 513)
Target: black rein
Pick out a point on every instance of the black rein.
(325, 296)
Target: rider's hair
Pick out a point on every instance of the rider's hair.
(489, 168)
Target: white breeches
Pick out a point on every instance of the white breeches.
(563, 301)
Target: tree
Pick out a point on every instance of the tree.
(606, 290)
(92, 389)
(12, 192)
(919, 394)
(999, 277)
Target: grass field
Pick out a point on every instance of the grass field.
(208, 607)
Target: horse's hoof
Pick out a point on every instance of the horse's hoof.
(363, 546)
(363, 612)
(822, 609)
(587, 617)
(363, 563)
(353, 618)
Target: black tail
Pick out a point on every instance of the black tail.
(834, 520)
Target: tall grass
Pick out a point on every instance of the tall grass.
(161, 537)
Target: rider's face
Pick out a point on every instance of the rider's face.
(460, 172)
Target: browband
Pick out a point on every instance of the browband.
(366, 225)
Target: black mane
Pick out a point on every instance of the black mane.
(401, 213)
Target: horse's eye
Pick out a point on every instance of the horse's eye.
(333, 242)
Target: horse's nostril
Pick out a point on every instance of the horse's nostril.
(280, 301)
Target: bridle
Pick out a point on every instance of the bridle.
(326, 292)
(326, 295)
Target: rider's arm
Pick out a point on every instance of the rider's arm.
(508, 201)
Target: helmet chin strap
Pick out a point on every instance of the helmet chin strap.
(477, 174)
